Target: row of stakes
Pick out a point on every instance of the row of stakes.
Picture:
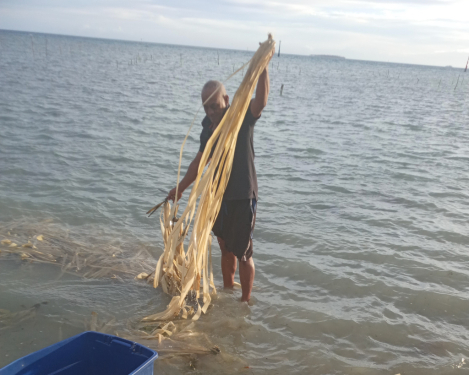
(139, 58)
(136, 59)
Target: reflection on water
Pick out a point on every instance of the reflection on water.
(361, 235)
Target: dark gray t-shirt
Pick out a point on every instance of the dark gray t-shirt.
(243, 178)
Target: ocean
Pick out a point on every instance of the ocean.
(361, 239)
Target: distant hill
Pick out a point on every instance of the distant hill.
(332, 57)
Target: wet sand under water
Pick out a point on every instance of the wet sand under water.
(63, 304)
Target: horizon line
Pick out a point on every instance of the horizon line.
(215, 48)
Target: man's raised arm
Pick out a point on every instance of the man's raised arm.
(262, 91)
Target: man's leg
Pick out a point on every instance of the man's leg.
(246, 276)
(228, 265)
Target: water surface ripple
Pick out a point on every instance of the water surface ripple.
(362, 230)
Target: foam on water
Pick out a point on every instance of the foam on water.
(361, 235)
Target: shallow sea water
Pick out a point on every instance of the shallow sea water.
(361, 240)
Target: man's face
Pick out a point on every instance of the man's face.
(215, 107)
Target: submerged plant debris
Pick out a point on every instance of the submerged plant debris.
(45, 242)
(10, 319)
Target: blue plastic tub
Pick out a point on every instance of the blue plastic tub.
(89, 353)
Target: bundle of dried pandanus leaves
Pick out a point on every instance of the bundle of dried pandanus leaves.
(182, 273)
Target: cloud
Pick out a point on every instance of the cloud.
(466, 51)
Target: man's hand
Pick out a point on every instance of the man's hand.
(188, 179)
(172, 194)
(271, 55)
(262, 90)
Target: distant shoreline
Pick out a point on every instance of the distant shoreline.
(331, 57)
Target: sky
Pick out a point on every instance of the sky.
(429, 32)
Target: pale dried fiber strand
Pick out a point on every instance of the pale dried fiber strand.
(180, 272)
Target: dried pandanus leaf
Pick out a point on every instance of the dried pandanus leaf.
(182, 273)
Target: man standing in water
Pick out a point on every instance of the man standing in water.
(234, 225)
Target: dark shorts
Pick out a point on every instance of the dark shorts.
(235, 225)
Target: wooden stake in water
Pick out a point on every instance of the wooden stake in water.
(218, 58)
(279, 43)
(457, 83)
(32, 46)
(281, 90)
